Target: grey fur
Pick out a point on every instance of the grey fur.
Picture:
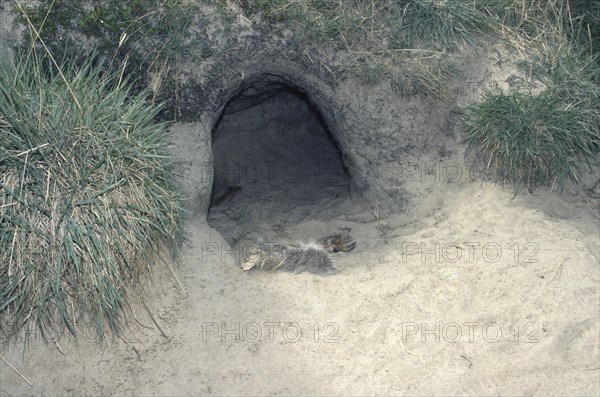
(297, 258)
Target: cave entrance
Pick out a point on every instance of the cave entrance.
(275, 161)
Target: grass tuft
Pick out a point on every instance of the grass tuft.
(86, 200)
(437, 25)
(531, 139)
(540, 138)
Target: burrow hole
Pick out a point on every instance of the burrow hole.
(275, 162)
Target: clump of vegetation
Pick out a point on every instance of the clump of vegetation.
(144, 39)
(530, 139)
(87, 204)
(540, 136)
(436, 25)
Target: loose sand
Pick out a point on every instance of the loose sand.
(484, 296)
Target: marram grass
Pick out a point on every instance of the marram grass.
(531, 139)
(87, 206)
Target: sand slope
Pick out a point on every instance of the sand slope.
(393, 321)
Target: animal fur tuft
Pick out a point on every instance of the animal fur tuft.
(297, 258)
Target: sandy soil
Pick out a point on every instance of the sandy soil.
(484, 296)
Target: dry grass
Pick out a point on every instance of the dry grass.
(536, 138)
(87, 206)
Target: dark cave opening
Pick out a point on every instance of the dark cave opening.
(274, 157)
